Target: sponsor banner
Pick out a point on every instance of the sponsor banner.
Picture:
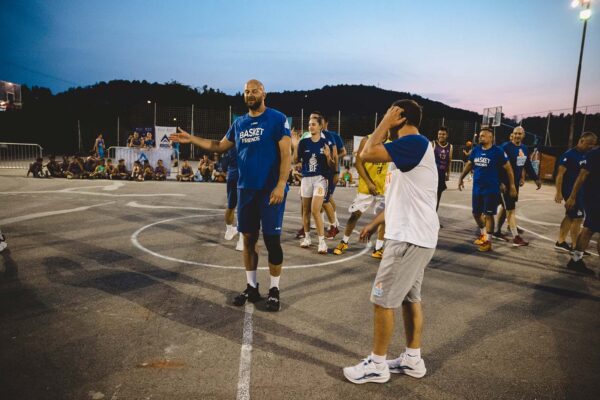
(130, 155)
(161, 136)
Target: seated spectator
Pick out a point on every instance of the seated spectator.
(219, 173)
(346, 178)
(135, 140)
(206, 167)
(122, 173)
(186, 174)
(160, 172)
(54, 168)
(75, 170)
(148, 141)
(99, 171)
(137, 173)
(64, 166)
(36, 169)
(111, 170)
(89, 166)
(148, 171)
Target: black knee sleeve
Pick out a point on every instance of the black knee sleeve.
(273, 244)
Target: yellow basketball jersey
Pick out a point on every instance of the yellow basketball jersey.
(378, 173)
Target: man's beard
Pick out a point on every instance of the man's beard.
(255, 105)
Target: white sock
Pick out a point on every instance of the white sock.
(513, 231)
(307, 235)
(321, 239)
(345, 239)
(378, 244)
(228, 227)
(337, 221)
(577, 255)
(251, 278)
(413, 352)
(275, 281)
(377, 359)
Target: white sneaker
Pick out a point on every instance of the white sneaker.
(322, 248)
(240, 244)
(306, 242)
(367, 371)
(230, 233)
(407, 365)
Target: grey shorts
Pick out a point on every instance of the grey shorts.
(400, 274)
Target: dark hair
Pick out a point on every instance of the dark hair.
(413, 112)
(109, 160)
(443, 128)
(122, 160)
(319, 119)
(323, 116)
(487, 129)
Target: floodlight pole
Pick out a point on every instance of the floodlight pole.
(572, 129)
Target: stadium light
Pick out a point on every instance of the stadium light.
(584, 15)
(148, 101)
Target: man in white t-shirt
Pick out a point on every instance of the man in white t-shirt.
(412, 227)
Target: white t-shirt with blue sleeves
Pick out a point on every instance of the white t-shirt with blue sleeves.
(411, 194)
(257, 142)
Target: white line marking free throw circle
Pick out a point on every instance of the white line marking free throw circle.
(136, 243)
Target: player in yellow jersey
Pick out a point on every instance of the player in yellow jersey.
(371, 189)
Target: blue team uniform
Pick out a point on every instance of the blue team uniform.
(257, 142)
(312, 156)
(572, 160)
(229, 163)
(519, 159)
(591, 191)
(339, 144)
(486, 178)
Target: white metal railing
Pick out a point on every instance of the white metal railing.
(457, 166)
(19, 155)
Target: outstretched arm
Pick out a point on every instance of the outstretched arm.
(213, 146)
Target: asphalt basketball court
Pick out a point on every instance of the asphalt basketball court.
(123, 291)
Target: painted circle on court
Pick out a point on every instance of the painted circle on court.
(136, 243)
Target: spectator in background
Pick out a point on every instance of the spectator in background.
(99, 171)
(111, 170)
(148, 171)
(64, 166)
(346, 178)
(148, 141)
(36, 169)
(175, 155)
(89, 166)
(205, 167)
(99, 146)
(186, 174)
(160, 172)
(122, 172)
(135, 140)
(54, 168)
(137, 173)
(75, 170)
(219, 173)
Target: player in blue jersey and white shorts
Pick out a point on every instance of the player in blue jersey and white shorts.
(262, 140)
(315, 153)
(411, 232)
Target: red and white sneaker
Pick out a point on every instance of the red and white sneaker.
(332, 232)
(518, 241)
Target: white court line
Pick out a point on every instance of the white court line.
(243, 386)
(76, 190)
(12, 220)
(136, 243)
(138, 205)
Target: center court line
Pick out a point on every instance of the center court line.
(243, 386)
(12, 220)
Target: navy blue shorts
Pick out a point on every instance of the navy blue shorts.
(232, 194)
(330, 188)
(254, 211)
(592, 216)
(485, 203)
(577, 210)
